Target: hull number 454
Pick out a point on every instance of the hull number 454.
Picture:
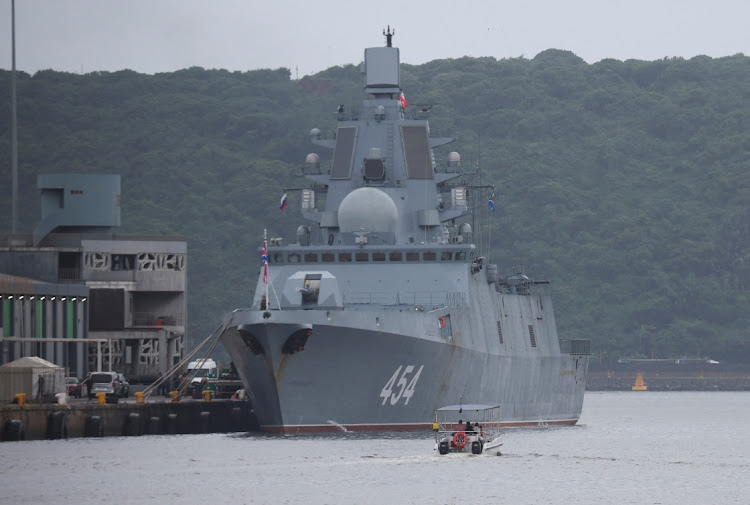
(401, 385)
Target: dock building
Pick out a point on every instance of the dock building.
(76, 293)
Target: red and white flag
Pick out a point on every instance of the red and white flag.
(402, 99)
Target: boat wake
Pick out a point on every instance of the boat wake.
(339, 426)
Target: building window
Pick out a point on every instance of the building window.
(123, 262)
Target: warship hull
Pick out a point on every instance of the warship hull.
(358, 372)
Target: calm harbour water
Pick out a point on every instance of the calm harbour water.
(639, 448)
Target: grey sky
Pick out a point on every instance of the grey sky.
(161, 36)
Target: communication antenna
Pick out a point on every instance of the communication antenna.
(389, 36)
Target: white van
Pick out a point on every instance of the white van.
(202, 368)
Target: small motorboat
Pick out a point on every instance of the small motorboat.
(471, 429)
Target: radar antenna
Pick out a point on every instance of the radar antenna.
(389, 35)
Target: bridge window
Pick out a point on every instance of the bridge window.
(345, 257)
(395, 256)
(311, 258)
(328, 257)
(446, 256)
(362, 256)
(412, 256)
(378, 256)
(429, 256)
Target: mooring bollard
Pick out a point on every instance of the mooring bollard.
(20, 398)
(139, 397)
(101, 398)
(207, 396)
(175, 396)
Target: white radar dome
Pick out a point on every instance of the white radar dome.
(368, 209)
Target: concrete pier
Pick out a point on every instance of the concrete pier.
(88, 419)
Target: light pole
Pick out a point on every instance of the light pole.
(13, 134)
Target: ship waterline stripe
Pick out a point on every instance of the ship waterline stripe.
(338, 428)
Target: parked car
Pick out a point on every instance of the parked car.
(74, 386)
(124, 385)
(105, 382)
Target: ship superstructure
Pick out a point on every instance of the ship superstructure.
(384, 310)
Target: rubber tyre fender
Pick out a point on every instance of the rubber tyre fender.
(56, 426)
(93, 427)
(152, 426)
(171, 424)
(132, 425)
(13, 431)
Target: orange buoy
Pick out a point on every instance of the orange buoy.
(639, 385)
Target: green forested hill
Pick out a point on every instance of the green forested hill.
(625, 184)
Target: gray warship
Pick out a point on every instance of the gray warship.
(384, 310)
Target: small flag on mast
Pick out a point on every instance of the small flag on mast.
(402, 99)
(491, 201)
(264, 258)
(283, 202)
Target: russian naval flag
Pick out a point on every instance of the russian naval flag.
(491, 201)
(283, 202)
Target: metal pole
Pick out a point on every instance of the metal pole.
(13, 125)
(265, 266)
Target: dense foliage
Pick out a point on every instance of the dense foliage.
(625, 184)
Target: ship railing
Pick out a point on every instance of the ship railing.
(575, 346)
(411, 298)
